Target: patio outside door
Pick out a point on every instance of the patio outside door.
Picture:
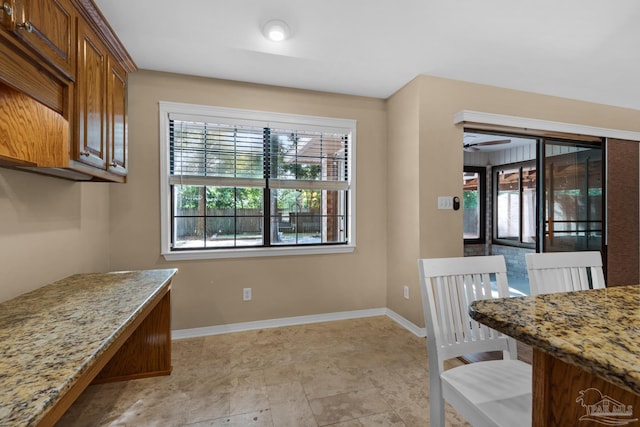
(573, 198)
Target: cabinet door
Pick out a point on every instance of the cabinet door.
(48, 27)
(90, 145)
(117, 117)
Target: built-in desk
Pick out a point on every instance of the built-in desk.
(586, 353)
(86, 328)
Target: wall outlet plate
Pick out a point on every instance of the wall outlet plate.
(246, 294)
(406, 292)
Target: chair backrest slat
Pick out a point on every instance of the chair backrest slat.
(457, 306)
(476, 330)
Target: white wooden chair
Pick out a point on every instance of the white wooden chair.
(564, 271)
(489, 393)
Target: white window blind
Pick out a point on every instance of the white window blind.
(204, 152)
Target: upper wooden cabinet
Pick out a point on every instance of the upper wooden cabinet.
(47, 26)
(28, 67)
(117, 127)
(101, 107)
(91, 96)
(65, 55)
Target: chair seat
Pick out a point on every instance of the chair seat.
(499, 390)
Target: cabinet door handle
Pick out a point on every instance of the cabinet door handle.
(7, 8)
(27, 26)
(85, 153)
(7, 16)
(114, 164)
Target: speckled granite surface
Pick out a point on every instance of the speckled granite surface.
(596, 330)
(48, 337)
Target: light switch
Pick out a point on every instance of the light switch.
(445, 202)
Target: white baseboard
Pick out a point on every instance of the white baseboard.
(299, 320)
(410, 326)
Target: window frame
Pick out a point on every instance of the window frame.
(495, 171)
(269, 119)
(482, 202)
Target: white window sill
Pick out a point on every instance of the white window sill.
(256, 252)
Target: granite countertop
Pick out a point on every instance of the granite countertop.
(50, 336)
(597, 330)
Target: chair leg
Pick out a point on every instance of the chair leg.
(436, 403)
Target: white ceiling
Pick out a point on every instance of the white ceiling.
(581, 49)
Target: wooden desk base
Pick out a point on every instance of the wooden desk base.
(556, 391)
(146, 352)
(142, 350)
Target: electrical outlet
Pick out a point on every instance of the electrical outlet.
(246, 294)
(406, 292)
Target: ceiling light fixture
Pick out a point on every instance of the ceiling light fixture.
(276, 30)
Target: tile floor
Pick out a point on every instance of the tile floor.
(351, 373)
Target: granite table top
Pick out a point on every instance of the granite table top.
(50, 336)
(597, 330)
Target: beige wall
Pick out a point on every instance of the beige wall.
(50, 228)
(441, 160)
(403, 210)
(408, 153)
(208, 293)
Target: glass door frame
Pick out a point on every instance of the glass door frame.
(541, 241)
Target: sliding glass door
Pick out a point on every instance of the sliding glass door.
(573, 198)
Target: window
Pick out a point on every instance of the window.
(473, 198)
(250, 183)
(515, 205)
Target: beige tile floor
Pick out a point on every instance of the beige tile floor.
(351, 373)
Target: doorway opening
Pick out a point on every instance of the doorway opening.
(525, 194)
